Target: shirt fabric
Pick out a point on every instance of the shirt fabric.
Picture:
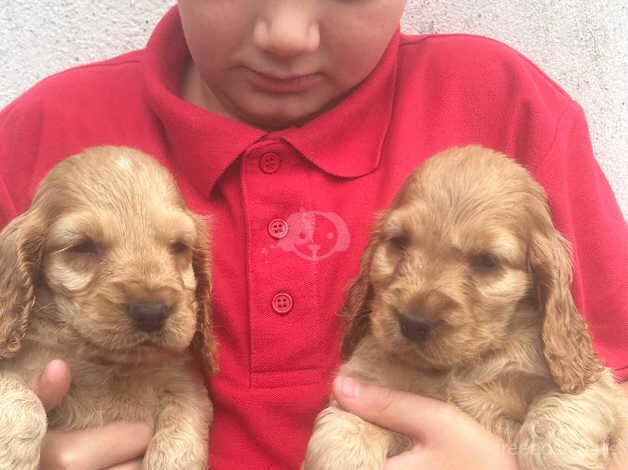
(291, 210)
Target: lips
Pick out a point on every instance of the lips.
(274, 83)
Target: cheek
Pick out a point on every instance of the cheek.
(213, 30)
(508, 289)
(383, 266)
(351, 59)
(384, 322)
(354, 40)
(385, 330)
(70, 276)
(188, 278)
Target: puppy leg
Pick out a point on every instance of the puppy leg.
(477, 403)
(569, 432)
(23, 424)
(182, 428)
(343, 441)
(620, 437)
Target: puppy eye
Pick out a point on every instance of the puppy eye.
(399, 242)
(179, 248)
(87, 247)
(484, 262)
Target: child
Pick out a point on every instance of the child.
(291, 123)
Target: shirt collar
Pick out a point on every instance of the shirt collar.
(345, 141)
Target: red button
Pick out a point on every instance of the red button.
(282, 303)
(278, 228)
(270, 162)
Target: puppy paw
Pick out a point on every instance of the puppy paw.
(542, 444)
(568, 432)
(23, 423)
(164, 461)
(342, 441)
(176, 451)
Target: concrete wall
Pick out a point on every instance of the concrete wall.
(582, 44)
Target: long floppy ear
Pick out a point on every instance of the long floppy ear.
(356, 310)
(203, 343)
(357, 307)
(566, 341)
(21, 251)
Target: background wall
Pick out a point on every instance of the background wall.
(582, 44)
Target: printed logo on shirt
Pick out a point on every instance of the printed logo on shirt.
(315, 235)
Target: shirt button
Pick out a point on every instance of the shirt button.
(282, 303)
(269, 163)
(278, 228)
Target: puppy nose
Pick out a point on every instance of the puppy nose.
(149, 316)
(416, 327)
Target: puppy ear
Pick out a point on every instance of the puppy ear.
(356, 310)
(566, 341)
(21, 251)
(203, 343)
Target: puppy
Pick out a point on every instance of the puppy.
(108, 271)
(463, 296)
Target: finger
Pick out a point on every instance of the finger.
(103, 447)
(52, 383)
(134, 465)
(406, 413)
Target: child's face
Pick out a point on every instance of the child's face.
(277, 63)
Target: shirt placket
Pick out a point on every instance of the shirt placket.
(282, 286)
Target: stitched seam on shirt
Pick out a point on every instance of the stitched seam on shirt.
(249, 303)
(95, 65)
(571, 107)
(538, 165)
(411, 40)
(104, 64)
(283, 371)
(314, 266)
(6, 191)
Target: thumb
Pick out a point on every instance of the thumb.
(407, 413)
(52, 383)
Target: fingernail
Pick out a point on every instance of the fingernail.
(349, 387)
(44, 378)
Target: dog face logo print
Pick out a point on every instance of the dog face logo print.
(315, 235)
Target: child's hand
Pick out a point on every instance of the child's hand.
(116, 446)
(445, 436)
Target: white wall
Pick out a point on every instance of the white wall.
(582, 44)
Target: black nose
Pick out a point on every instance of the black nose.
(149, 316)
(416, 327)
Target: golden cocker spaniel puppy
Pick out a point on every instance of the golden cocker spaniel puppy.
(107, 270)
(464, 296)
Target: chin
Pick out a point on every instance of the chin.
(274, 112)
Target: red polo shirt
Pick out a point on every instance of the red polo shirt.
(292, 209)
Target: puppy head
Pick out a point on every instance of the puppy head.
(110, 243)
(464, 253)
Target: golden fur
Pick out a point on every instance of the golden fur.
(107, 229)
(468, 248)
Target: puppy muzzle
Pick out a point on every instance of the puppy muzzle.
(149, 316)
(416, 327)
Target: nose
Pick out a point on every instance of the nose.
(149, 316)
(287, 29)
(416, 327)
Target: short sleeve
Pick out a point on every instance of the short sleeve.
(7, 143)
(7, 210)
(20, 141)
(586, 212)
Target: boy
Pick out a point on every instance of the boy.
(291, 123)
